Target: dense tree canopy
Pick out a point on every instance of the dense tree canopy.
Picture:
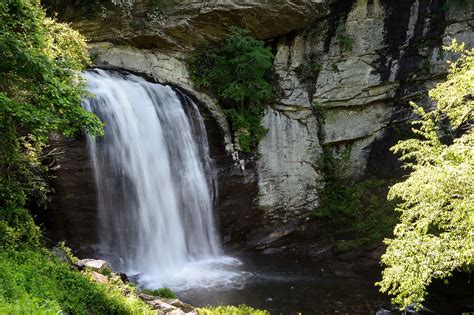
(436, 201)
(40, 93)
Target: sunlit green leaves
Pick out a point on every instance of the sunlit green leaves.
(36, 282)
(436, 233)
(455, 97)
(232, 310)
(40, 92)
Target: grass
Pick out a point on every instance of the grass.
(162, 292)
(232, 310)
(33, 281)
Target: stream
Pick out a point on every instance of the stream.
(289, 286)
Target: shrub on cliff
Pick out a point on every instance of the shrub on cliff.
(239, 73)
(435, 235)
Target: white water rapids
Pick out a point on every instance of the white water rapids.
(155, 185)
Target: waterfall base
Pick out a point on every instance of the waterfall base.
(221, 273)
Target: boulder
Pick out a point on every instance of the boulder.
(167, 306)
(189, 309)
(146, 297)
(94, 264)
(58, 252)
(123, 277)
(99, 278)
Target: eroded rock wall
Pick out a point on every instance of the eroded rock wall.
(345, 83)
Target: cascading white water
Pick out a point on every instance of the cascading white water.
(155, 184)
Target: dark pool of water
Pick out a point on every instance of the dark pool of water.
(290, 286)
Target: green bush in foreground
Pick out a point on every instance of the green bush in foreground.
(435, 235)
(240, 74)
(232, 310)
(35, 281)
(166, 293)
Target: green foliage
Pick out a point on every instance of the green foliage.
(344, 40)
(232, 310)
(247, 125)
(359, 210)
(333, 165)
(106, 272)
(68, 252)
(436, 229)
(164, 292)
(35, 281)
(40, 93)
(239, 73)
(27, 304)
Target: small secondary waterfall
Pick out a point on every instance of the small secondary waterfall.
(155, 183)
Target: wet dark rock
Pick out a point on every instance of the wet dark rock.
(271, 236)
(134, 278)
(384, 311)
(72, 214)
(272, 250)
(61, 254)
(322, 253)
(123, 276)
(181, 305)
(353, 255)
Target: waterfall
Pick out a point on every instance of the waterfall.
(155, 183)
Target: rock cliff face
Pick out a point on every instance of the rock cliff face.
(346, 69)
(180, 25)
(345, 85)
